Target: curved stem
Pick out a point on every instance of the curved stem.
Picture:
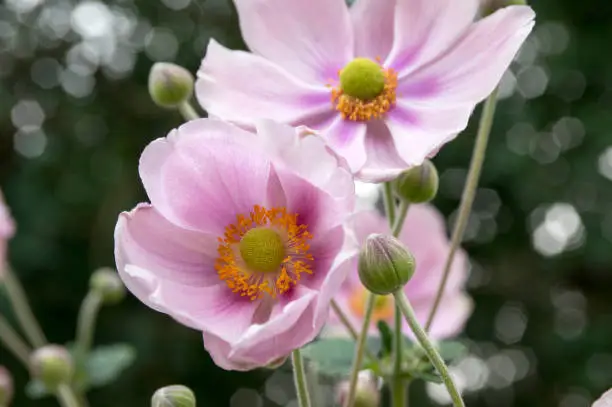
(430, 350)
(389, 202)
(398, 389)
(349, 327)
(188, 112)
(66, 396)
(401, 218)
(467, 198)
(86, 324)
(22, 310)
(359, 350)
(299, 377)
(13, 342)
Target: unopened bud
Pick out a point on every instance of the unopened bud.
(366, 393)
(385, 265)
(418, 184)
(52, 365)
(108, 285)
(6, 387)
(173, 396)
(170, 85)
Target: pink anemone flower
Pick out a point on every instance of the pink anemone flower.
(243, 239)
(7, 230)
(605, 400)
(424, 234)
(387, 82)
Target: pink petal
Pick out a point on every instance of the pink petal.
(426, 28)
(311, 39)
(450, 319)
(605, 400)
(146, 239)
(469, 71)
(203, 175)
(226, 88)
(373, 27)
(383, 162)
(347, 139)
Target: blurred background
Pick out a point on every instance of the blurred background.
(75, 115)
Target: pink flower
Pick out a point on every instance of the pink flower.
(7, 229)
(605, 400)
(388, 82)
(424, 234)
(243, 237)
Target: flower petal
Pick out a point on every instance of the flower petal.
(347, 139)
(605, 400)
(373, 27)
(450, 319)
(383, 162)
(425, 29)
(312, 39)
(469, 71)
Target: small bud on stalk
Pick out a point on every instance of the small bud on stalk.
(418, 184)
(366, 394)
(385, 265)
(52, 365)
(6, 387)
(173, 396)
(170, 85)
(108, 285)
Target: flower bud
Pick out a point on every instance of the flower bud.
(108, 285)
(418, 184)
(385, 265)
(366, 393)
(6, 387)
(170, 85)
(52, 365)
(173, 396)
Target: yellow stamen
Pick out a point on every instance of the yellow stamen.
(253, 279)
(383, 306)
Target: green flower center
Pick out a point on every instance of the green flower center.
(262, 249)
(362, 78)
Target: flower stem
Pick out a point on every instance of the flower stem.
(13, 342)
(87, 324)
(432, 353)
(188, 112)
(467, 198)
(23, 312)
(349, 327)
(299, 377)
(389, 201)
(359, 350)
(398, 389)
(66, 396)
(401, 218)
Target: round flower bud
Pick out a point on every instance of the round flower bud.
(106, 282)
(418, 184)
(6, 387)
(52, 365)
(173, 396)
(170, 85)
(366, 393)
(385, 265)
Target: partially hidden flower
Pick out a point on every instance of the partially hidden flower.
(387, 82)
(605, 400)
(424, 234)
(7, 229)
(243, 239)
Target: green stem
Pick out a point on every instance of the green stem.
(23, 312)
(430, 350)
(299, 377)
(389, 201)
(86, 324)
(398, 389)
(188, 112)
(13, 342)
(349, 327)
(467, 198)
(359, 350)
(66, 396)
(401, 218)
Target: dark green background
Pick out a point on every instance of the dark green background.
(66, 202)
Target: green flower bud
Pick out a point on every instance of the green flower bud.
(418, 184)
(6, 387)
(108, 285)
(173, 396)
(385, 265)
(170, 85)
(366, 393)
(52, 365)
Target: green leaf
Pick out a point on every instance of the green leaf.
(451, 351)
(334, 356)
(105, 363)
(418, 366)
(386, 335)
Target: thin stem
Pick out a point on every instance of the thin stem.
(13, 342)
(430, 350)
(22, 310)
(359, 350)
(349, 327)
(188, 112)
(299, 377)
(66, 397)
(398, 389)
(401, 218)
(389, 201)
(86, 324)
(467, 198)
